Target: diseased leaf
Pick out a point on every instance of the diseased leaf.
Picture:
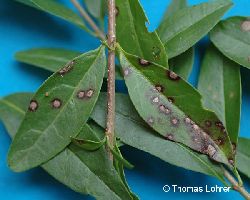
(173, 108)
(90, 145)
(182, 64)
(58, 9)
(232, 38)
(47, 58)
(243, 156)
(220, 87)
(74, 166)
(140, 136)
(58, 110)
(132, 33)
(187, 26)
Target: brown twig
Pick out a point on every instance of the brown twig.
(86, 16)
(111, 75)
(236, 186)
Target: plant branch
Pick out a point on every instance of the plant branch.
(86, 16)
(236, 185)
(111, 76)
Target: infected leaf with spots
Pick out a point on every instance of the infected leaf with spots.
(243, 156)
(220, 87)
(187, 26)
(74, 166)
(57, 9)
(182, 64)
(163, 100)
(133, 35)
(51, 59)
(58, 110)
(232, 38)
(140, 136)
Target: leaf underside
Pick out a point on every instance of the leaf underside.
(58, 110)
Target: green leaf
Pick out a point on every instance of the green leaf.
(232, 38)
(12, 110)
(89, 145)
(133, 35)
(243, 156)
(173, 108)
(140, 136)
(174, 6)
(187, 26)
(183, 64)
(96, 8)
(58, 9)
(58, 110)
(51, 59)
(220, 86)
(74, 166)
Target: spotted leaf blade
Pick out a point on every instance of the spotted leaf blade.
(140, 136)
(58, 110)
(57, 9)
(243, 156)
(107, 183)
(51, 59)
(232, 38)
(177, 31)
(173, 108)
(132, 33)
(182, 64)
(220, 86)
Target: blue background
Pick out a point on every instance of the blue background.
(22, 28)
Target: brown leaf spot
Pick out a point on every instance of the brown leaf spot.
(211, 150)
(144, 62)
(171, 99)
(56, 103)
(172, 76)
(33, 106)
(164, 109)
(208, 123)
(187, 120)
(174, 121)
(220, 141)
(169, 136)
(150, 121)
(155, 100)
(126, 72)
(245, 25)
(81, 94)
(89, 93)
(66, 68)
(159, 88)
(46, 94)
(231, 161)
(219, 124)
